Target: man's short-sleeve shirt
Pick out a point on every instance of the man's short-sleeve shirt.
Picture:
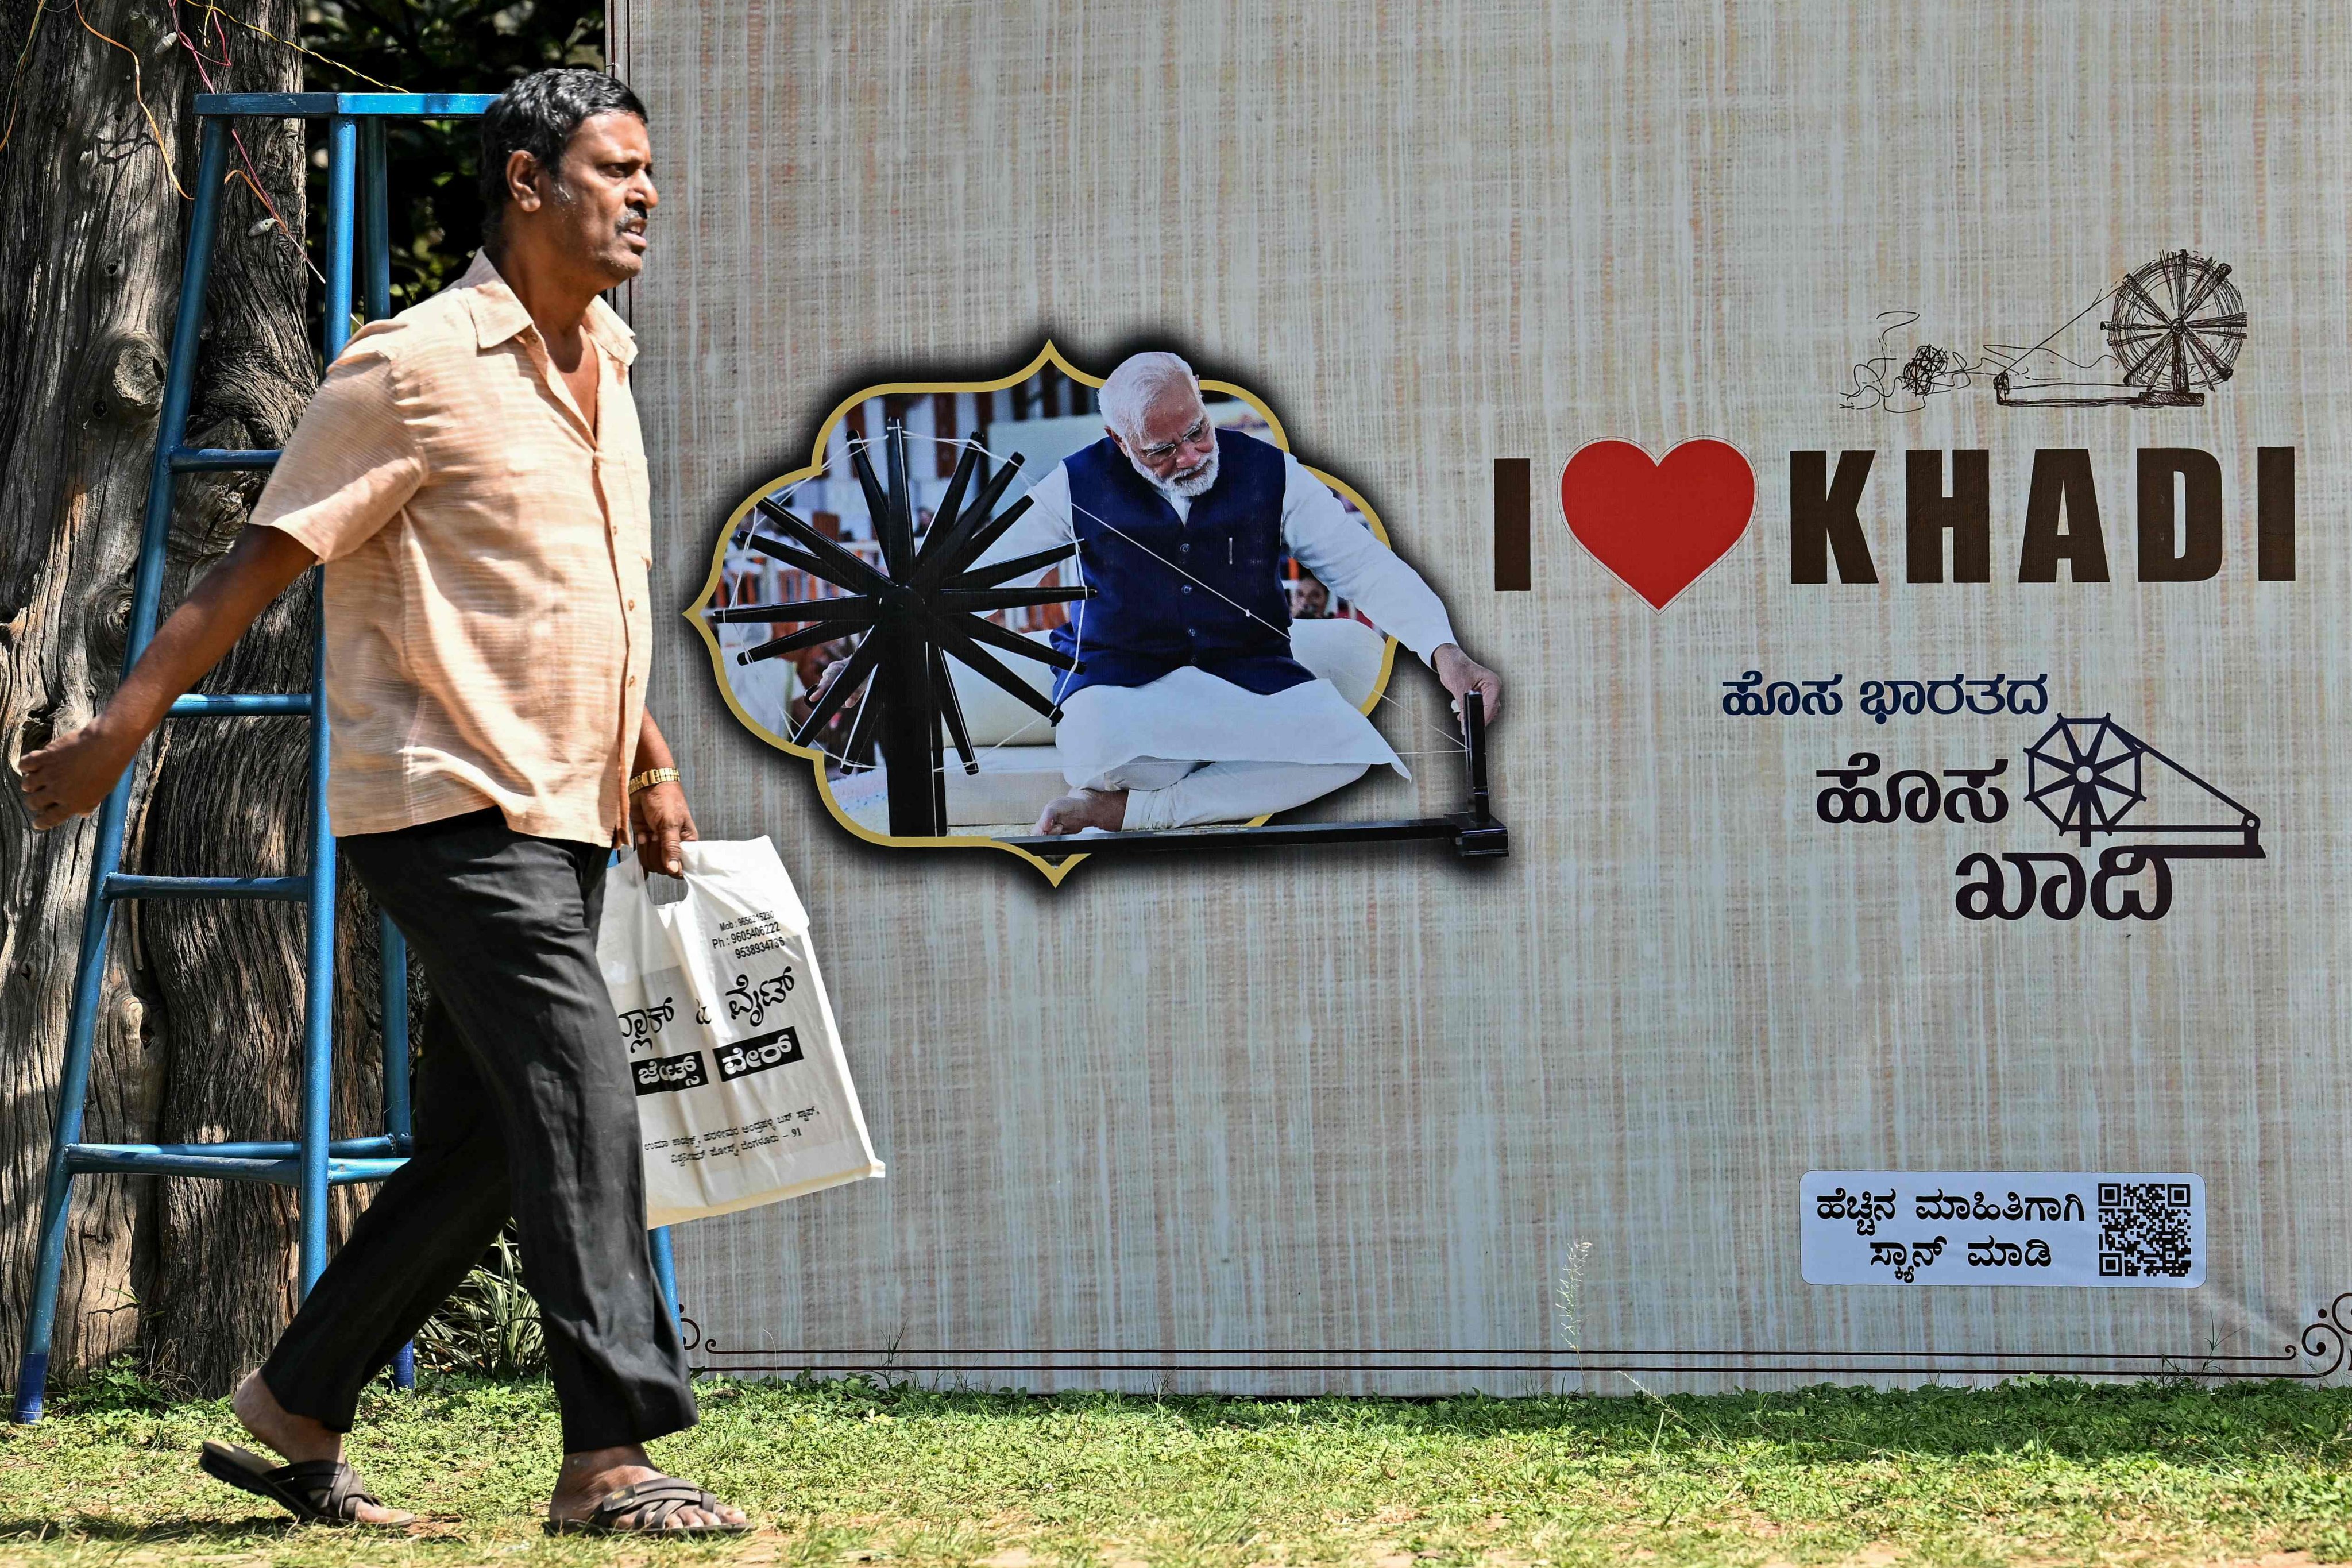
(488, 620)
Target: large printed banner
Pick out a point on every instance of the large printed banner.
(1888, 462)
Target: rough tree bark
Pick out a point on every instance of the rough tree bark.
(200, 1033)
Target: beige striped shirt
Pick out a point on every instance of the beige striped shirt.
(487, 627)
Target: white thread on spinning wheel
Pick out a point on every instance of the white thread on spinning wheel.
(1456, 746)
(1453, 746)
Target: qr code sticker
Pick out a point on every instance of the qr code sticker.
(2143, 1230)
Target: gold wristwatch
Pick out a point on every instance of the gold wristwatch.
(651, 777)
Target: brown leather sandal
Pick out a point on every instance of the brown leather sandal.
(316, 1491)
(646, 1509)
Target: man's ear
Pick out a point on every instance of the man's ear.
(1117, 439)
(522, 180)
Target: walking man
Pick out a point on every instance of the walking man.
(473, 476)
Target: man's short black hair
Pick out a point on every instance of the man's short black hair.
(537, 115)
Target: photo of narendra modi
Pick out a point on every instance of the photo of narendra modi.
(1064, 615)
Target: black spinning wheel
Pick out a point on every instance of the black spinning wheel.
(925, 605)
(2177, 326)
(2084, 774)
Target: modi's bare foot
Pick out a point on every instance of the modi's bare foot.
(297, 1439)
(591, 1478)
(1085, 809)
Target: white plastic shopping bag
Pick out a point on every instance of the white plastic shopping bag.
(743, 1095)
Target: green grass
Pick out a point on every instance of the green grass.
(2038, 1472)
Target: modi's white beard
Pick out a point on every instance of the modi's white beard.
(1190, 487)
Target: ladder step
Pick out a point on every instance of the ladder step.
(289, 889)
(133, 1161)
(384, 1145)
(187, 459)
(319, 105)
(239, 704)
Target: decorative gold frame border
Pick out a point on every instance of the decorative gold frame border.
(1046, 356)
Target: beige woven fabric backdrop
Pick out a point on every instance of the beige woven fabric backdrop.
(1371, 1097)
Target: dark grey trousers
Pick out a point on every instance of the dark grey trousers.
(524, 1105)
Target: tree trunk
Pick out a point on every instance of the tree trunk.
(200, 1035)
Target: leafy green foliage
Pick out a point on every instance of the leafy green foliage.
(490, 1327)
(123, 1383)
(436, 46)
(2042, 1471)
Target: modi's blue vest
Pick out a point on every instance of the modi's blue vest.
(1151, 617)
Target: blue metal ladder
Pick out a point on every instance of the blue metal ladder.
(312, 1163)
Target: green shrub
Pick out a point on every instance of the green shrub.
(490, 1327)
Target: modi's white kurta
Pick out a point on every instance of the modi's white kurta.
(1190, 716)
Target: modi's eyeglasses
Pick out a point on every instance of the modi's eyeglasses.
(1167, 449)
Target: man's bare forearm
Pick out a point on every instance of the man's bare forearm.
(652, 751)
(223, 604)
(69, 777)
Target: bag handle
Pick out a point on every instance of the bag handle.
(753, 867)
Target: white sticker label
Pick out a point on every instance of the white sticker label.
(2003, 1227)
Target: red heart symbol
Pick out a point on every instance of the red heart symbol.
(1658, 526)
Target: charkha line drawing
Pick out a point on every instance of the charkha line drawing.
(2170, 333)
